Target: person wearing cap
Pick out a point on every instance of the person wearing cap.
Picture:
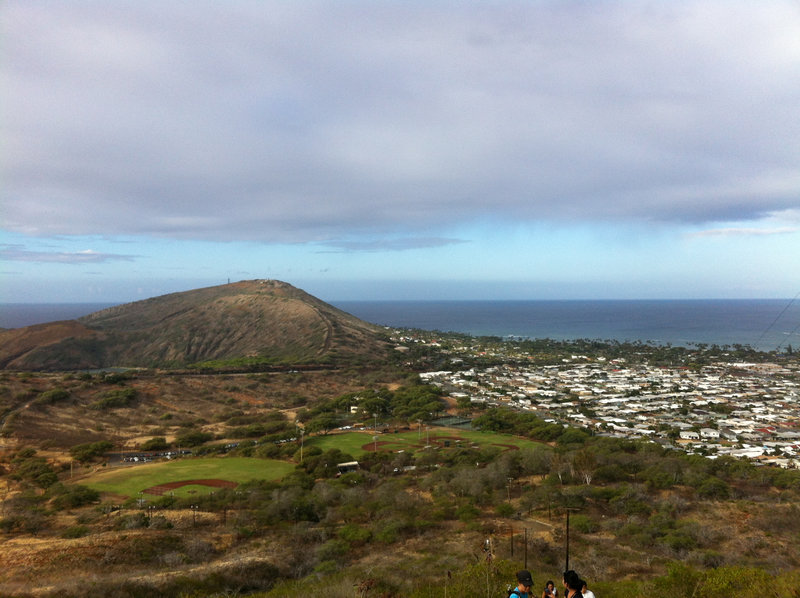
(524, 585)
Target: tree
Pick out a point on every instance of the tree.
(559, 465)
(84, 453)
(193, 438)
(157, 443)
(584, 464)
(324, 422)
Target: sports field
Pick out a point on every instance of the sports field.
(208, 473)
(131, 480)
(358, 443)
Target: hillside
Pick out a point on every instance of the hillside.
(431, 512)
(263, 320)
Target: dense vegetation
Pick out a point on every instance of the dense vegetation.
(644, 519)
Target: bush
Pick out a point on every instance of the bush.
(52, 396)
(610, 473)
(584, 524)
(157, 443)
(354, 534)
(76, 531)
(86, 452)
(333, 550)
(75, 496)
(714, 487)
(121, 397)
(194, 438)
(467, 512)
(389, 531)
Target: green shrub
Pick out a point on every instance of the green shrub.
(504, 509)
(84, 453)
(388, 532)
(333, 550)
(71, 497)
(714, 487)
(584, 524)
(157, 443)
(467, 512)
(76, 531)
(46, 480)
(193, 438)
(121, 397)
(52, 396)
(354, 534)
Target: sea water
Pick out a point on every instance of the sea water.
(764, 324)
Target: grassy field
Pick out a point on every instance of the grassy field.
(358, 443)
(129, 481)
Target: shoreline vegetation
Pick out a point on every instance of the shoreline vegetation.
(430, 511)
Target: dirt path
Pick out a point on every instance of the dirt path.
(6, 442)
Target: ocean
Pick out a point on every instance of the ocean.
(17, 315)
(764, 324)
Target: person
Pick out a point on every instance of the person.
(550, 590)
(524, 584)
(587, 593)
(572, 585)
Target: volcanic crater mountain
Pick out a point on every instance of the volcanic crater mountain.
(265, 320)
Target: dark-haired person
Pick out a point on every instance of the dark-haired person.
(585, 591)
(550, 590)
(572, 585)
(524, 584)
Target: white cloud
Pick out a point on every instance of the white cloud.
(380, 245)
(749, 232)
(298, 122)
(18, 253)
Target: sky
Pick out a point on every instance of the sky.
(400, 150)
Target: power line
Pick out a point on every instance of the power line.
(789, 336)
(778, 317)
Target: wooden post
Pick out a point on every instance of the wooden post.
(566, 565)
(526, 548)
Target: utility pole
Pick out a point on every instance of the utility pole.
(566, 563)
(526, 548)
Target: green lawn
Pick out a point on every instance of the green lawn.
(352, 442)
(130, 480)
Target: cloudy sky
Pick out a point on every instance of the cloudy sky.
(400, 150)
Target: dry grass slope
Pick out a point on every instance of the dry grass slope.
(262, 319)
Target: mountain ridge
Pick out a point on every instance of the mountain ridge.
(266, 320)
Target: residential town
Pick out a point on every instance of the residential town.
(742, 409)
